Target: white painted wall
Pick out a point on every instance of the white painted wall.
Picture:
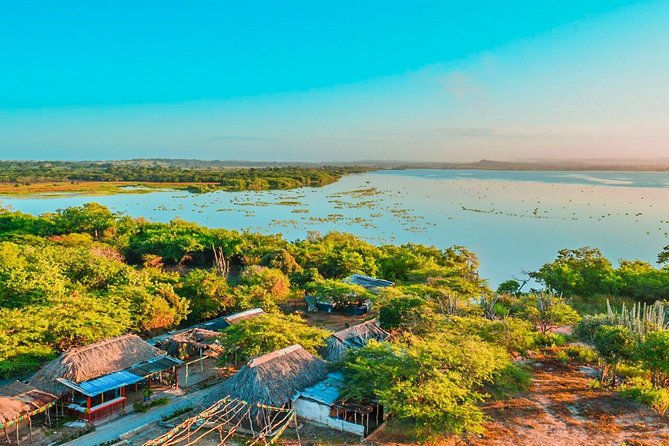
(320, 414)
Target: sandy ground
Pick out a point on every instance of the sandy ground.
(562, 410)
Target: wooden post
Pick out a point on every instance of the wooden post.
(30, 429)
(6, 435)
(18, 440)
(201, 365)
(88, 406)
(176, 377)
(186, 376)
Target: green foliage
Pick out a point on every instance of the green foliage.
(515, 335)
(583, 271)
(644, 392)
(586, 272)
(142, 407)
(614, 345)
(581, 353)
(586, 329)
(403, 312)
(208, 294)
(653, 354)
(509, 382)
(267, 333)
(549, 340)
(546, 311)
(431, 382)
(511, 287)
(336, 291)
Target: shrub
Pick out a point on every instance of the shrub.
(581, 353)
(643, 391)
(510, 381)
(549, 340)
(586, 329)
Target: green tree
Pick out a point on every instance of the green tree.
(272, 280)
(578, 272)
(207, 292)
(432, 383)
(614, 344)
(546, 311)
(267, 333)
(653, 354)
(91, 218)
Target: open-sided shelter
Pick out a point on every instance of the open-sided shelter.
(93, 380)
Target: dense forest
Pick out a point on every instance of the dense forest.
(85, 273)
(207, 176)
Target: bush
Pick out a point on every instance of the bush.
(549, 340)
(141, 407)
(586, 329)
(510, 381)
(643, 391)
(581, 353)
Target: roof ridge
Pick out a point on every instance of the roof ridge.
(273, 355)
(78, 350)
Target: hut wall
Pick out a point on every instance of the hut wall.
(320, 414)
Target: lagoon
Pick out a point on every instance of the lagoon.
(513, 220)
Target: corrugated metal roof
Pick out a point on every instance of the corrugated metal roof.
(103, 384)
(26, 393)
(154, 365)
(368, 282)
(325, 392)
(243, 315)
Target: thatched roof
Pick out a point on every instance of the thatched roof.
(18, 398)
(273, 379)
(191, 342)
(92, 361)
(353, 337)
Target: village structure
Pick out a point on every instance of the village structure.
(269, 394)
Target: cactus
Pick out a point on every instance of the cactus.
(641, 319)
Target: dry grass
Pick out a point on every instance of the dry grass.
(89, 187)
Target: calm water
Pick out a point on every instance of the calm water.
(514, 221)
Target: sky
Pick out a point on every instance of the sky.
(330, 80)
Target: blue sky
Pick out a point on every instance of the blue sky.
(334, 80)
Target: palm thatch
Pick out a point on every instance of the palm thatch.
(354, 337)
(11, 409)
(273, 379)
(18, 399)
(92, 361)
(193, 342)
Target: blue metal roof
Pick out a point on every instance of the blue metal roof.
(327, 391)
(103, 384)
(370, 283)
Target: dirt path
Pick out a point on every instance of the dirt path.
(561, 410)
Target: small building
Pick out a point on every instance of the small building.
(93, 380)
(272, 379)
(20, 404)
(353, 337)
(193, 343)
(321, 404)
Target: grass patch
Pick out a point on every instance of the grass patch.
(509, 382)
(142, 407)
(643, 391)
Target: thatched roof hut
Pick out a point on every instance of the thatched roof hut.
(18, 399)
(92, 361)
(354, 337)
(273, 379)
(192, 343)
